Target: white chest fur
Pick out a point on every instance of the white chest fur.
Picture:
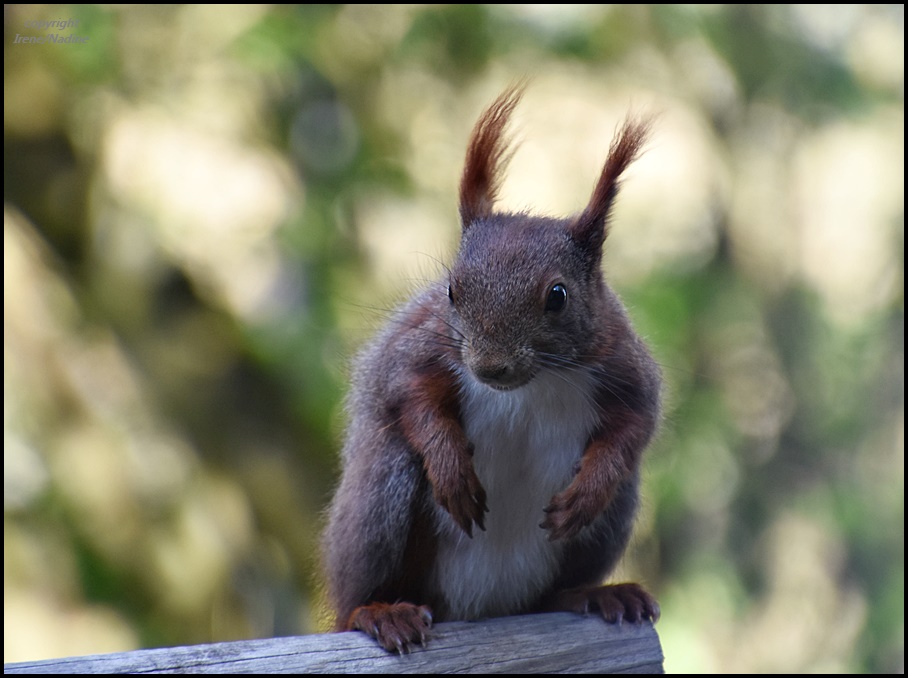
(527, 443)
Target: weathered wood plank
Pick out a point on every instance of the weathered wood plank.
(542, 643)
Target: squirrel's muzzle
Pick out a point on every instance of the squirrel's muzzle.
(501, 371)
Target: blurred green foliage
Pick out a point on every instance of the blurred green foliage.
(207, 208)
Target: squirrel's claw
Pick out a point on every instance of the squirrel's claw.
(468, 510)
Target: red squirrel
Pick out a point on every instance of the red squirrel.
(492, 461)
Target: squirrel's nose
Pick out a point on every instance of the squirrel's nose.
(499, 367)
(493, 373)
(502, 376)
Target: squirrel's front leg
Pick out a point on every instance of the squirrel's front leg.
(430, 418)
(609, 458)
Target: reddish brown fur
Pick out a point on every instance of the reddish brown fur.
(592, 224)
(486, 158)
(609, 458)
(430, 418)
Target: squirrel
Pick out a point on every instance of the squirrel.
(512, 396)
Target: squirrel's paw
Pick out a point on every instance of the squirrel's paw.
(571, 511)
(616, 602)
(464, 499)
(396, 627)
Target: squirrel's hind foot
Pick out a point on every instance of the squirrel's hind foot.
(397, 627)
(615, 602)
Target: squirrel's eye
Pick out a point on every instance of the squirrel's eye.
(450, 294)
(557, 298)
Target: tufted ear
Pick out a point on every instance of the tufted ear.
(591, 227)
(487, 154)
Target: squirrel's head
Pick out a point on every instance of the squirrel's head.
(526, 291)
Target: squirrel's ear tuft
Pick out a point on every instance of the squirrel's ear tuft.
(487, 154)
(591, 227)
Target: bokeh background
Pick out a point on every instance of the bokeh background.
(208, 208)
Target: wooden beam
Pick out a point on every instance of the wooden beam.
(541, 643)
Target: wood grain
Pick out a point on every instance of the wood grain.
(542, 643)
